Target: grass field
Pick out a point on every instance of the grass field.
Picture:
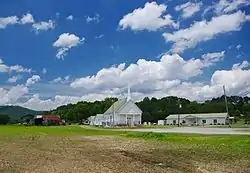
(75, 149)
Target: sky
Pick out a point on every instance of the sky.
(59, 52)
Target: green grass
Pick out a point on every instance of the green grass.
(15, 131)
(221, 145)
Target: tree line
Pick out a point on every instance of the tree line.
(155, 109)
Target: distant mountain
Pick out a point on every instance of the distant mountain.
(16, 112)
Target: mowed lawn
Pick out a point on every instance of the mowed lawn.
(75, 149)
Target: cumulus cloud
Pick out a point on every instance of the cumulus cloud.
(15, 68)
(43, 26)
(205, 30)
(27, 18)
(152, 17)
(70, 17)
(95, 18)
(14, 79)
(242, 65)
(10, 96)
(33, 80)
(37, 103)
(65, 42)
(5, 21)
(188, 9)
(170, 68)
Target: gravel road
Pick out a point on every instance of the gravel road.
(197, 130)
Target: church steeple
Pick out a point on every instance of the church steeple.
(129, 94)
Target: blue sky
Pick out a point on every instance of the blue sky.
(67, 51)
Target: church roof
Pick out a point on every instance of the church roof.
(116, 106)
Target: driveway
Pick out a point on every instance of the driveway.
(197, 130)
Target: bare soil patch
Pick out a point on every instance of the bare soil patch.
(108, 154)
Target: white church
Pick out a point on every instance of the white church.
(122, 112)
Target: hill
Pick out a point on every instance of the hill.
(16, 112)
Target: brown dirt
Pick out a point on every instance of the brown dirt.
(102, 154)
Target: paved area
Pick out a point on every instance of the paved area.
(197, 130)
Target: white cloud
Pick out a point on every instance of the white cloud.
(27, 18)
(242, 65)
(147, 73)
(226, 6)
(5, 21)
(99, 36)
(64, 80)
(188, 9)
(38, 104)
(44, 71)
(18, 69)
(65, 42)
(238, 46)
(95, 18)
(15, 68)
(33, 80)
(205, 30)
(14, 79)
(43, 26)
(211, 58)
(151, 18)
(10, 96)
(70, 17)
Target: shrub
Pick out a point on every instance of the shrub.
(218, 124)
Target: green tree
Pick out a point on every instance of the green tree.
(4, 119)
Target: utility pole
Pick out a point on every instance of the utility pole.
(224, 90)
(180, 106)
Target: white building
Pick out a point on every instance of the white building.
(122, 112)
(198, 119)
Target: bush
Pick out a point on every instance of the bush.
(210, 124)
(171, 124)
(222, 124)
(218, 124)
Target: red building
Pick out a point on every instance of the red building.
(48, 120)
(52, 120)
